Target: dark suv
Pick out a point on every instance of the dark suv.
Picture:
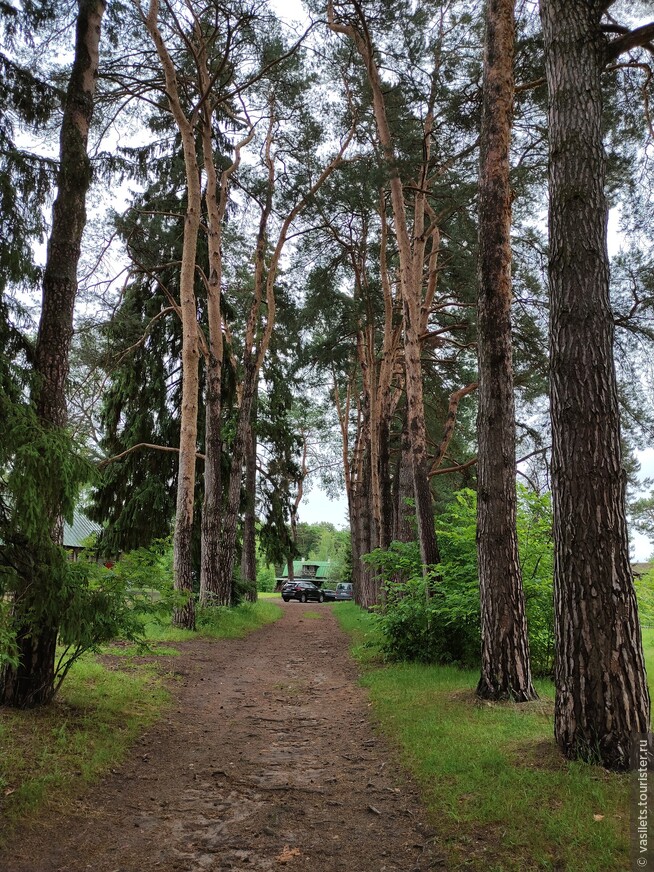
(303, 591)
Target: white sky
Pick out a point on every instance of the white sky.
(317, 507)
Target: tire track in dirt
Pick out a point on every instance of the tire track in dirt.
(266, 761)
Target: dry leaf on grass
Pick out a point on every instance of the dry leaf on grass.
(598, 817)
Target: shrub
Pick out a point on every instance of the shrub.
(437, 618)
(105, 603)
(266, 578)
(95, 604)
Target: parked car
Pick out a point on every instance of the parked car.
(303, 591)
(330, 595)
(344, 591)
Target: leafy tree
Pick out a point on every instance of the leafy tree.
(642, 513)
(441, 621)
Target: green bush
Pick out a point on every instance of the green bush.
(266, 578)
(106, 603)
(437, 618)
(95, 604)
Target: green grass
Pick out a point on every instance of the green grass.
(315, 616)
(153, 650)
(219, 623)
(501, 796)
(47, 754)
(648, 648)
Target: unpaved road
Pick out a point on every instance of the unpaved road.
(266, 761)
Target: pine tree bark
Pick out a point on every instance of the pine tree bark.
(403, 513)
(249, 553)
(32, 682)
(602, 697)
(213, 495)
(411, 279)
(224, 595)
(184, 615)
(505, 666)
(216, 201)
(366, 590)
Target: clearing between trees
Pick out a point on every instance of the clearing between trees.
(266, 759)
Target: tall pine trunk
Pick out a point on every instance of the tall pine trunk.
(602, 697)
(249, 552)
(505, 667)
(216, 204)
(32, 682)
(224, 595)
(366, 590)
(403, 513)
(184, 614)
(411, 282)
(212, 500)
(385, 533)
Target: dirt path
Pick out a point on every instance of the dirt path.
(266, 761)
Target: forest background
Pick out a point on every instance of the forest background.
(287, 287)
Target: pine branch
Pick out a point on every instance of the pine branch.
(641, 37)
(140, 445)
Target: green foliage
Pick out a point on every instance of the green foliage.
(266, 578)
(644, 585)
(41, 472)
(8, 653)
(642, 513)
(437, 618)
(308, 539)
(341, 566)
(117, 602)
(88, 603)
(537, 562)
(244, 591)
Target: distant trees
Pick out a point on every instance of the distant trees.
(398, 246)
(412, 244)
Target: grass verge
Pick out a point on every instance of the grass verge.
(48, 754)
(500, 795)
(219, 623)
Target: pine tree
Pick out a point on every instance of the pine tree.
(32, 680)
(598, 706)
(505, 666)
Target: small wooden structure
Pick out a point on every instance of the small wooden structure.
(317, 571)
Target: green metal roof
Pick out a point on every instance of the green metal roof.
(314, 569)
(76, 534)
